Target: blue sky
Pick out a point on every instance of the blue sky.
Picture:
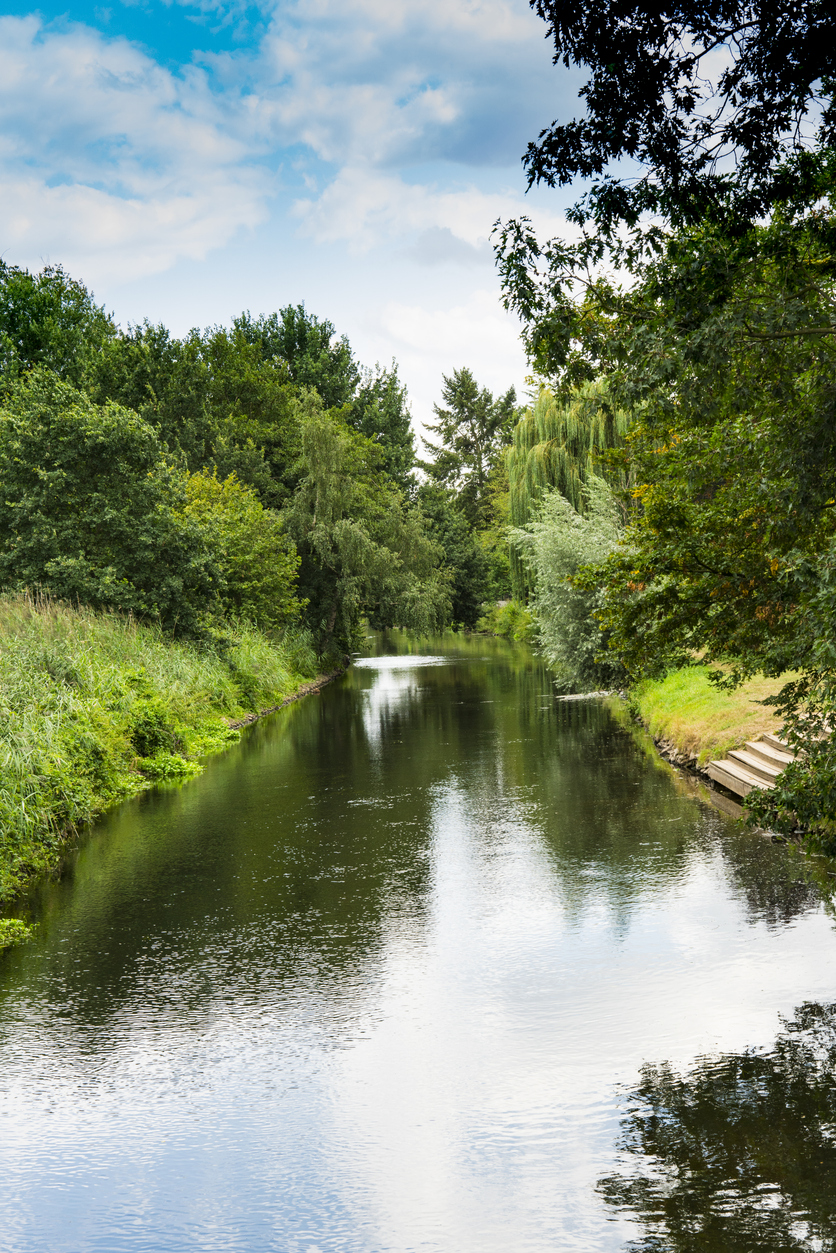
(190, 160)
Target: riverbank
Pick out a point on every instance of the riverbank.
(95, 708)
(692, 721)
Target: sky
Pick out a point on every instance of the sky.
(189, 159)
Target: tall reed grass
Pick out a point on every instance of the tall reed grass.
(95, 707)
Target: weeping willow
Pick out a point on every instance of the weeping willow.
(558, 445)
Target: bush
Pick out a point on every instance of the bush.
(557, 545)
(509, 619)
(257, 561)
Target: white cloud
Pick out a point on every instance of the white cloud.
(111, 163)
(97, 235)
(373, 83)
(427, 343)
(366, 208)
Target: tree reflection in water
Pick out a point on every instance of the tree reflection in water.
(739, 1154)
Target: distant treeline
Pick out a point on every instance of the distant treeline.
(255, 471)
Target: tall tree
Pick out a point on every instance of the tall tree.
(166, 380)
(363, 551)
(558, 444)
(92, 509)
(213, 399)
(554, 544)
(726, 105)
(380, 411)
(465, 561)
(50, 320)
(725, 114)
(309, 348)
(473, 426)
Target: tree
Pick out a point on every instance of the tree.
(473, 427)
(363, 550)
(49, 320)
(727, 106)
(380, 411)
(92, 509)
(554, 545)
(308, 347)
(727, 109)
(164, 379)
(559, 445)
(257, 563)
(465, 561)
(727, 361)
(492, 537)
(252, 402)
(732, 452)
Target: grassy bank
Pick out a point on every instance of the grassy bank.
(508, 619)
(700, 720)
(95, 707)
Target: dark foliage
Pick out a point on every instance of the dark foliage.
(740, 1153)
(727, 106)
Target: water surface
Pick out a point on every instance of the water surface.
(380, 979)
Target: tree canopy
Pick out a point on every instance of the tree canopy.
(472, 427)
(51, 320)
(308, 346)
(165, 475)
(726, 106)
(363, 549)
(92, 509)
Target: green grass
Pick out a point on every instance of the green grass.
(702, 720)
(510, 620)
(95, 707)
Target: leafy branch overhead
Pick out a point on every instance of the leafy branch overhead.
(722, 110)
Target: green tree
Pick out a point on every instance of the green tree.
(464, 559)
(257, 563)
(92, 509)
(49, 320)
(252, 403)
(492, 536)
(473, 427)
(164, 379)
(728, 363)
(724, 137)
(725, 353)
(363, 550)
(380, 411)
(308, 346)
(558, 444)
(556, 542)
(717, 114)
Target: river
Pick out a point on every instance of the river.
(384, 978)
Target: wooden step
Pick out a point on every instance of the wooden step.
(775, 741)
(735, 777)
(774, 756)
(755, 765)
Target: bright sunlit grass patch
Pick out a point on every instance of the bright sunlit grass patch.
(700, 719)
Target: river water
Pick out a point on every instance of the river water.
(383, 978)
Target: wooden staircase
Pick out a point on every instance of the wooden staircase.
(758, 764)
